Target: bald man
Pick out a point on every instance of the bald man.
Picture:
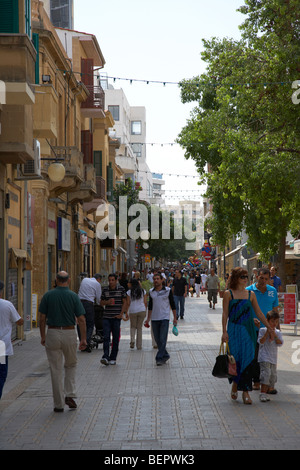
(60, 309)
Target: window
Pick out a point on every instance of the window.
(9, 16)
(115, 112)
(98, 162)
(35, 40)
(28, 17)
(136, 127)
(137, 149)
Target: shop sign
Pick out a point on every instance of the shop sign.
(287, 308)
(64, 234)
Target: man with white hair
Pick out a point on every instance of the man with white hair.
(8, 316)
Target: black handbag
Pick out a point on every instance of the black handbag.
(225, 366)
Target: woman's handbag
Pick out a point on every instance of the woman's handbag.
(225, 366)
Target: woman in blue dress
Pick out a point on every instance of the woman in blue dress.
(239, 306)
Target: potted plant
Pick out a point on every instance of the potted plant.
(222, 288)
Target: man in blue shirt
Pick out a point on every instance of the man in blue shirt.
(267, 300)
(276, 280)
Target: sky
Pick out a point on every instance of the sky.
(159, 40)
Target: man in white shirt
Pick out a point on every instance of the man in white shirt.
(8, 316)
(89, 292)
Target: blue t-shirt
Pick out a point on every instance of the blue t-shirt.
(266, 301)
(276, 282)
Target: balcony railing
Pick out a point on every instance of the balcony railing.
(96, 98)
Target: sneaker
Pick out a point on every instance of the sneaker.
(159, 363)
(132, 345)
(104, 361)
(112, 363)
(263, 397)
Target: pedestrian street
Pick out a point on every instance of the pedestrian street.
(137, 406)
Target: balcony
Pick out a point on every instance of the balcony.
(73, 162)
(45, 112)
(93, 107)
(87, 190)
(99, 198)
(17, 71)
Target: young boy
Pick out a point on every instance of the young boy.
(267, 356)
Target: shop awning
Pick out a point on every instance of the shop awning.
(19, 254)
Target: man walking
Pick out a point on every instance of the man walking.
(89, 292)
(212, 286)
(160, 302)
(113, 298)
(8, 316)
(60, 308)
(179, 291)
(276, 279)
(267, 300)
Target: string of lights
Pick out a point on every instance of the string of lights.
(248, 84)
(213, 84)
(167, 174)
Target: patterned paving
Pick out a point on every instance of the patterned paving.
(136, 405)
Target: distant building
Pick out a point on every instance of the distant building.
(158, 192)
(130, 130)
(61, 13)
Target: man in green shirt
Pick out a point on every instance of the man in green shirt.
(212, 286)
(60, 309)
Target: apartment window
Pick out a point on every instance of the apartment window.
(136, 127)
(9, 16)
(115, 112)
(98, 162)
(137, 149)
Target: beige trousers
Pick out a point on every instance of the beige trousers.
(136, 326)
(61, 349)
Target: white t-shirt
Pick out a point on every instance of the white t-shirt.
(137, 305)
(268, 350)
(8, 316)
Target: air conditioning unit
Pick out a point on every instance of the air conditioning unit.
(32, 168)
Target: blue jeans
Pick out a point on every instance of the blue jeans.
(160, 330)
(3, 373)
(111, 326)
(179, 304)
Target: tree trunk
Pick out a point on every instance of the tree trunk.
(281, 263)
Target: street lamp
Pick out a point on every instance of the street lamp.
(56, 172)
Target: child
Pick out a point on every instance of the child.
(267, 356)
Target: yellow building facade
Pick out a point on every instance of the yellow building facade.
(52, 114)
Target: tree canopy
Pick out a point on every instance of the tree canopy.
(243, 133)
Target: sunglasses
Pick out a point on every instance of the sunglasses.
(244, 277)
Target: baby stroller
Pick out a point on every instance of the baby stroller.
(97, 338)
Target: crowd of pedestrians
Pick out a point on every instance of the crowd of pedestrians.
(250, 322)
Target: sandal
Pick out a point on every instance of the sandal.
(234, 395)
(246, 399)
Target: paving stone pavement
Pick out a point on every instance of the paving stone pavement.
(137, 406)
